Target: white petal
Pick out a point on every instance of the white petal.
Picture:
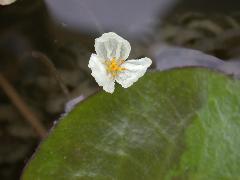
(110, 45)
(134, 70)
(6, 2)
(100, 74)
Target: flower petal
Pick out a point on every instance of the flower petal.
(100, 74)
(6, 2)
(110, 45)
(134, 70)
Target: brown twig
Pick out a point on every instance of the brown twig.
(48, 63)
(23, 108)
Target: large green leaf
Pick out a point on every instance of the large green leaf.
(178, 124)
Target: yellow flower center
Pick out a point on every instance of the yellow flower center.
(114, 67)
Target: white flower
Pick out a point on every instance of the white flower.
(109, 63)
(6, 2)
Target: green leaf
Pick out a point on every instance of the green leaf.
(178, 124)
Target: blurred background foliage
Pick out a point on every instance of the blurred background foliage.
(39, 37)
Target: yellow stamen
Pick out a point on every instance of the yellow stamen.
(113, 66)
